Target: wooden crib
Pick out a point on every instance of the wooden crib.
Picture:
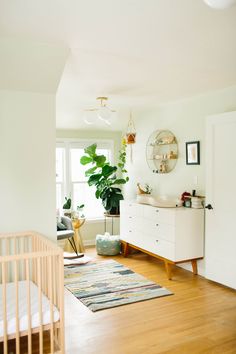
(31, 294)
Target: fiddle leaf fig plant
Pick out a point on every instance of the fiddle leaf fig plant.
(104, 177)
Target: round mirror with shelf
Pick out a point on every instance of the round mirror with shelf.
(162, 151)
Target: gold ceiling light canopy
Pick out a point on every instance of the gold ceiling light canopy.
(102, 113)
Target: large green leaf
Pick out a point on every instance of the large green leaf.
(115, 201)
(100, 160)
(94, 179)
(107, 204)
(119, 181)
(97, 193)
(117, 197)
(91, 150)
(108, 170)
(117, 190)
(105, 193)
(90, 171)
(85, 160)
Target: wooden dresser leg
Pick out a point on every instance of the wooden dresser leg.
(194, 266)
(126, 249)
(168, 267)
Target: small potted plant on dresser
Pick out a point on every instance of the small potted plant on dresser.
(104, 177)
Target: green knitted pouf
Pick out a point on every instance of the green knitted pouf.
(107, 245)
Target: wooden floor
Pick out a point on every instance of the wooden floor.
(199, 318)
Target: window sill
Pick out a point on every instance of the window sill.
(94, 220)
(97, 220)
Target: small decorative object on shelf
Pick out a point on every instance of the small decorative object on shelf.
(146, 190)
(186, 198)
(163, 167)
(192, 201)
(196, 203)
(162, 151)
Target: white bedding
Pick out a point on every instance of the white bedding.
(23, 317)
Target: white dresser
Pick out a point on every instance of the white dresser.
(175, 235)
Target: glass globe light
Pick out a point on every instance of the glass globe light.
(220, 4)
(89, 116)
(104, 114)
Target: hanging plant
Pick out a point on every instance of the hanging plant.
(131, 131)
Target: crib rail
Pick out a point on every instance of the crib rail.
(30, 260)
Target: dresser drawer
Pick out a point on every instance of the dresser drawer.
(131, 222)
(127, 235)
(133, 237)
(161, 248)
(130, 209)
(164, 215)
(158, 229)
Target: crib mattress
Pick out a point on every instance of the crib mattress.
(23, 316)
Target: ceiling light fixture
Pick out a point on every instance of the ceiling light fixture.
(103, 113)
(220, 4)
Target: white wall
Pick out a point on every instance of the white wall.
(186, 119)
(27, 162)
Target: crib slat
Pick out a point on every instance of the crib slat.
(54, 280)
(28, 306)
(4, 306)
(34, 261)
(51, 304)
(7, 241)
(14, 246)
(17, 306)
(39, 283)
(61, 303)
(24, 250)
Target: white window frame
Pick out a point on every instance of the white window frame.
(70, 143)
(63, 183)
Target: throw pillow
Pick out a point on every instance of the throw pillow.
(61, 226)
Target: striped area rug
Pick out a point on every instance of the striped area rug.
(105, 284)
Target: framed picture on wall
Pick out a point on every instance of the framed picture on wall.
(193, 153)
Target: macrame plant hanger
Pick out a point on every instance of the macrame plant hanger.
(130, 135)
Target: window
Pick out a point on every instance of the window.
(70, 176)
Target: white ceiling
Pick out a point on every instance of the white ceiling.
(136, 52)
